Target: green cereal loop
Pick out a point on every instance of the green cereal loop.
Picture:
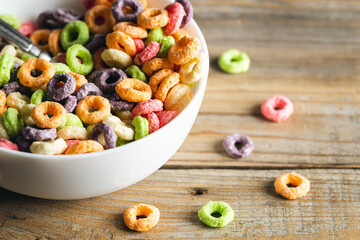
(155, 34)
(87, 64)
(13, 122)
(37, 97)
(71, 120)
(141, 127)
(61, 68)
(3, 130)
(25, 113)
(135, 72)
(11, 20)
(216, 214)
(6, 66)
(26, 56)
(120, 142)
(167, 43)
(76, 32)
(233, 61)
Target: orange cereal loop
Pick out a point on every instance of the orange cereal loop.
(157, 78)
(121, 41)
(40, 38)
(179, 34)
(292, 185)
(93, 109)
(24, 74)
(141, 217)
(100, 19)
(166, 85)
(2, 99)
(107, 3)
(178, 97)
(54, 42)
(156, 64)
(87, 146)
(80, 80)
(40, 114)
(131, 29)
(184, 50)
(133, 90)
(152, 18)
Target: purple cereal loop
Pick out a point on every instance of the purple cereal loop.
(88, 89)
(11, 87)
(98, 42)
(112, 96)
(121, 105)
(188, 10)
(24, 145)
(46, 20)
(31, 133)
(69, 103)
(109, 78)
(109, 134)
(238, 146)
(120, 16)
(94, 75)
(58, 94)
(25, 90)
(63, 15)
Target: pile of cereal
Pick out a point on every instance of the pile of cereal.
(118, 73)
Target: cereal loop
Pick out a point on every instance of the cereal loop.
(156, 64)
(47, 72)
(178, 98)
(166, 85)
(54, 147)
(157, 78)
(40, 115)
(292, 185)
(190, 72)
(41, 38)
(73, 132)
(17, 100)
(152, 18)
(121, 41)
(85, 109)
(131, 29)
(277, 108)
(87, 146)
(133, 90)
(116, 58)
(222, 209)
(179, 34)
(134, 217)
(184, 50)
(99, 19)
(4, 143)
(54, 42)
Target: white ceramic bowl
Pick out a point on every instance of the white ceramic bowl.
(90, 175)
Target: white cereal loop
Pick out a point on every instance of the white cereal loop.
(10, 49)
(116, 58)
(3, 131)
(125, 116)
(26, 114)
(120, 129)
(17, 100)
(55, 147)
(73, 132)
(190, 72)
(18, 61)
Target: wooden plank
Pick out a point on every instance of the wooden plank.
(330, 211)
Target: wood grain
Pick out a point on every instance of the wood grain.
(330, 210)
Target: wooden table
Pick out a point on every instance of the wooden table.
(307, 50)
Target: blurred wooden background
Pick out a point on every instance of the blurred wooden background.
(307, 50)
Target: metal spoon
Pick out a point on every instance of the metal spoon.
(15, 37)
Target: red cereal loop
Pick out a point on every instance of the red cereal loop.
(154, 123)
(98, 62)
(140, 45)
(143, 108)
(27, 28)
(277, 108)
(4, 143)
(70, 142)
(60, 58)
(176, 14)
(88, 4)
(165, 117)
(148, 53)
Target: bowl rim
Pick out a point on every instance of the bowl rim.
(201, 88)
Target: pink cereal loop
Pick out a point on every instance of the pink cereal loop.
(143, 108)
(176, 14)
(139, 44)
(27, 28)
(4, 143)
(154, 123)
(148, 53)
(166, 116)
(277, 108)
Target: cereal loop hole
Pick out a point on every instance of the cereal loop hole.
(216, 214)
